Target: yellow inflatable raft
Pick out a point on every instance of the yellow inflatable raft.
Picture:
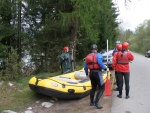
(72, 85)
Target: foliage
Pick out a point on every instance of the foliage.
(48, 25)
(143, 37)
(140, 40)
(99, 22)
(108, 25)
(8, 34)
(13, 67)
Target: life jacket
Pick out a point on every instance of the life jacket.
(91, 60)
(122, 58)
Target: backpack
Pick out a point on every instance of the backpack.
(91, 60)
(122, 58)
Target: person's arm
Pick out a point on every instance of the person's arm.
(114, 59)
(130, 56)
(100, 61)
(114, 51)
(86, 68)
(61, 57)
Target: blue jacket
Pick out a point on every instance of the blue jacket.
(100, 62)
(114, 51)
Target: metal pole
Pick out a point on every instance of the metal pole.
(107, 52)
(107, 57)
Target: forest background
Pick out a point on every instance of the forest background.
(41, 28)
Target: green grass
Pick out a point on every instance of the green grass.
(17, 96)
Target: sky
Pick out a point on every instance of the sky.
(134, 14)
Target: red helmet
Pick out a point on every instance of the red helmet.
(65, 48)
(125, 45)
(119, 47)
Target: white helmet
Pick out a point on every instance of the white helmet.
(118, 42)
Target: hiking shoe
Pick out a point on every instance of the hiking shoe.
(120, 96)
(92, 103)
(127, 97)
(98, 106)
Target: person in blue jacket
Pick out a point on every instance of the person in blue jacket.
(94, 62)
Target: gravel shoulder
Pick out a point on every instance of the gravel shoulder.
(68, 106)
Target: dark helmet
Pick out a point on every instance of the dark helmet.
(125, 45)
(65, 48)
(93, 47)
(119, 47)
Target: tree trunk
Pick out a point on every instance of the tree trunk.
(19, 29)
(74, 33)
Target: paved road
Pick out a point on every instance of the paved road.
(139, 101)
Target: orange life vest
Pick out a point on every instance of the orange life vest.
(122, 58)
(91, 60)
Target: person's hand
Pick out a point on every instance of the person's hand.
(88, 76)
(66, 59)
(114, 67)
(107, 69)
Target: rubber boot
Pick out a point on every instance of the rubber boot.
(92, 93)
(98, 96)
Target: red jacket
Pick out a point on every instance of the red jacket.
(120, 61)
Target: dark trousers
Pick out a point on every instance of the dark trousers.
(116, 77)
(97, 83)
(126, 76)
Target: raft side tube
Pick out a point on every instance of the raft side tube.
(58, 94)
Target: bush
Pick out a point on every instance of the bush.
(13, 67)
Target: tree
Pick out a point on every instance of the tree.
(45, 26)
(12, 67)
(108, 25)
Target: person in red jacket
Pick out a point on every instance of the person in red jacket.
(114, 51)
(119, 48)
(121, 62)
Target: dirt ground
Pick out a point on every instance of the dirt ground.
(69, 106)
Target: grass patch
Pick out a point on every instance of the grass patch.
(15, 95)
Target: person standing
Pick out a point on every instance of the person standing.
(114, 51)
(66, 60)
(93, 62)
(114, 66)
(121, 62)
